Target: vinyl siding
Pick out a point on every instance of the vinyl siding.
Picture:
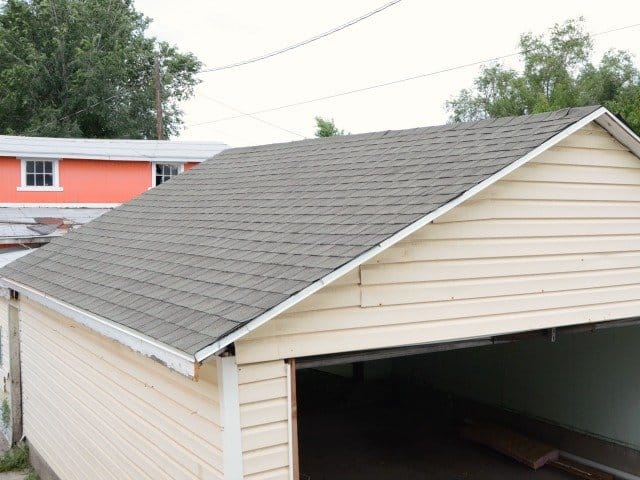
(95, 409)
(264, 418)
(556, 242)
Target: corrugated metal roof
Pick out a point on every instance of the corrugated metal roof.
(194, 259)
(20, 224)
(101, 149)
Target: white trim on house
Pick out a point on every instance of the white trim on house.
(32, 188)
(147, 346)
(228, 392)
(109, 149)
(207, 352)
(153, 170)
(60, 205)
(290, 421)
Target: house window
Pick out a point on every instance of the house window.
(39, 174)
(164, 172)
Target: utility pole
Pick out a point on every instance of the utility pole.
(158, 86)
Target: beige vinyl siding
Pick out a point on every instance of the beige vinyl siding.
(264, 418)
(95, 409)
(555, 242)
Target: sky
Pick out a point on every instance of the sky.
(410, 38)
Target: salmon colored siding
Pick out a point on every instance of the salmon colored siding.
(82, 181)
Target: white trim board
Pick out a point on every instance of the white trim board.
(147, 346)
(229, 401)
(60, 205)
(205, 353)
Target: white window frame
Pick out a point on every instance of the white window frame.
(33, 188)
(153, 170)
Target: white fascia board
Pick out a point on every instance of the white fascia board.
(620, 131)
(170, 357)
(260, 320)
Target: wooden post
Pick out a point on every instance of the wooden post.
(15, 374)
(158, 88)
(294, 420)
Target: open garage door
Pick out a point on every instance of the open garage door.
(399, 413)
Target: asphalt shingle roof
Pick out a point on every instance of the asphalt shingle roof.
(190, 261)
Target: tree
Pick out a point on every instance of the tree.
(84, 68)
(557, 73)
(326, 128)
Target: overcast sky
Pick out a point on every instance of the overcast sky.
(409, 38)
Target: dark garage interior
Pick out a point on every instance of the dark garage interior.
(401, 417)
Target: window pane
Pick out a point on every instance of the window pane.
(158, 169)
(30, 167)
(39, 180)
(48, 179)
(39, 167)
(48, 167)
(174, 171)
(158, 179)
(31, 179)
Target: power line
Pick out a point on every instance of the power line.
(226, 105)
(392, 82)
(302, 43)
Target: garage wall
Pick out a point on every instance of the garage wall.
(264, 419)
(585, 382)
(556, 242)
(95, 409)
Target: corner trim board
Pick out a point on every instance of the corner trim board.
(168, 356)
(260, 320)
(228, 389)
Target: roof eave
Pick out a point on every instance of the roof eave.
(170, 357)
(611, 123)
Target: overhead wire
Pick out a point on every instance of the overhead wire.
(242, 114)
(303, 42)
(389, 83)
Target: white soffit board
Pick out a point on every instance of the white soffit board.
(147, 346)
(605, 118)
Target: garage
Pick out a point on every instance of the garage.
(405, 304)
(393, 414)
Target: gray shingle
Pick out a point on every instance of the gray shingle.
(195, 258)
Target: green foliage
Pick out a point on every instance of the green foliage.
(17, 458)
(326, 128)
(5, 413)
(557, 73)
(58, 57)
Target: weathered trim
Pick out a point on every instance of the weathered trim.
(228, 389)
(147, 346)
(216, 347)
(15, 372)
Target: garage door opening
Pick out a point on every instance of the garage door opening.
(400, 417)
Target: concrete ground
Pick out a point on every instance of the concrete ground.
(363, 432)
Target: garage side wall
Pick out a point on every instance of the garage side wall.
(556, 242)
(95, 409)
